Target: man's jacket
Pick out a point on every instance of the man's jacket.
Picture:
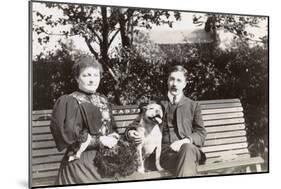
(189, 120)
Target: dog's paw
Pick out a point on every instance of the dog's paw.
(141, 170)
(73, 157)
(159, 168)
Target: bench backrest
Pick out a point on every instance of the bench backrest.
(223, 119)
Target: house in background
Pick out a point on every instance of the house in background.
(180, 36)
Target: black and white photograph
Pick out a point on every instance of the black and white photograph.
(125, 94)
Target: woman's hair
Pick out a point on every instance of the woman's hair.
(179, 68)
(85, 61)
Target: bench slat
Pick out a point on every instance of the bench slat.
(224, 147)
(224, 121)
(38, 117)
(47, 152)
(213, 142)
(41, 130)
(45, 167)
(42, 137)
(41, 123)
(40, 112)
(47, 159)
(225, 128)
(226, 134)
(125, 107)
(227, 152)
(230, 164)
(211, 160)
(39, 182)
(222, 116)
(221, 110)
(123, 123)
(218, 101)
(125, 117)
(125, 111)
(45, 144)
(45, 174)
(215, 106)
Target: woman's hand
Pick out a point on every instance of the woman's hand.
(108, 141)
(135, 136)
(115, 135)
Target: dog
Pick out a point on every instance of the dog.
(149, 130)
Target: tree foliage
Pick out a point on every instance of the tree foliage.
(99, 26)
(238, 25)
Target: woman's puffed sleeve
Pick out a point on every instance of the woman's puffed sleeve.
(67, 123)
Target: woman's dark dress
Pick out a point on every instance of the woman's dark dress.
(74, 116)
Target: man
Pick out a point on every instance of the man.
(183, 130)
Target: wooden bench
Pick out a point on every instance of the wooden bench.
(225, 146)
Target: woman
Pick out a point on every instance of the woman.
(79, 117)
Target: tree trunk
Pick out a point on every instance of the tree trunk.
(104, 55)
(105, 32)
(123, 30)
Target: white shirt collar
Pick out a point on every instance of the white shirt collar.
(171, 97)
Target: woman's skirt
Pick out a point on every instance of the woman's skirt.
(80, 171)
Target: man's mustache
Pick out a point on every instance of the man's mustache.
(173, 88)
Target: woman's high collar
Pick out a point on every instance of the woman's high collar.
(84, 92)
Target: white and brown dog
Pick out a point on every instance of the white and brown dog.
(149, 130)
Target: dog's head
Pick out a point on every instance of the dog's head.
(152, 113)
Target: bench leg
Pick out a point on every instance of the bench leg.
(258, 167)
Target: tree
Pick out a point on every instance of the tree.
(234, 24)
(141, 72)
(99, 26)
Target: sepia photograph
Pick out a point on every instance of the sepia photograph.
(124, 94)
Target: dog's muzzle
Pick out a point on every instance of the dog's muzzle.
(156, 119)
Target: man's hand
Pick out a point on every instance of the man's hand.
(135, 136)
(177, 144)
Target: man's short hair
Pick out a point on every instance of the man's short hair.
(179, 68)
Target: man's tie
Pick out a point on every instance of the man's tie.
(174, 100)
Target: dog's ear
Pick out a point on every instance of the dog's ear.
(157, 102)
(143, 107)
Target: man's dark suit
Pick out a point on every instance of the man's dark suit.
(189, 125)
